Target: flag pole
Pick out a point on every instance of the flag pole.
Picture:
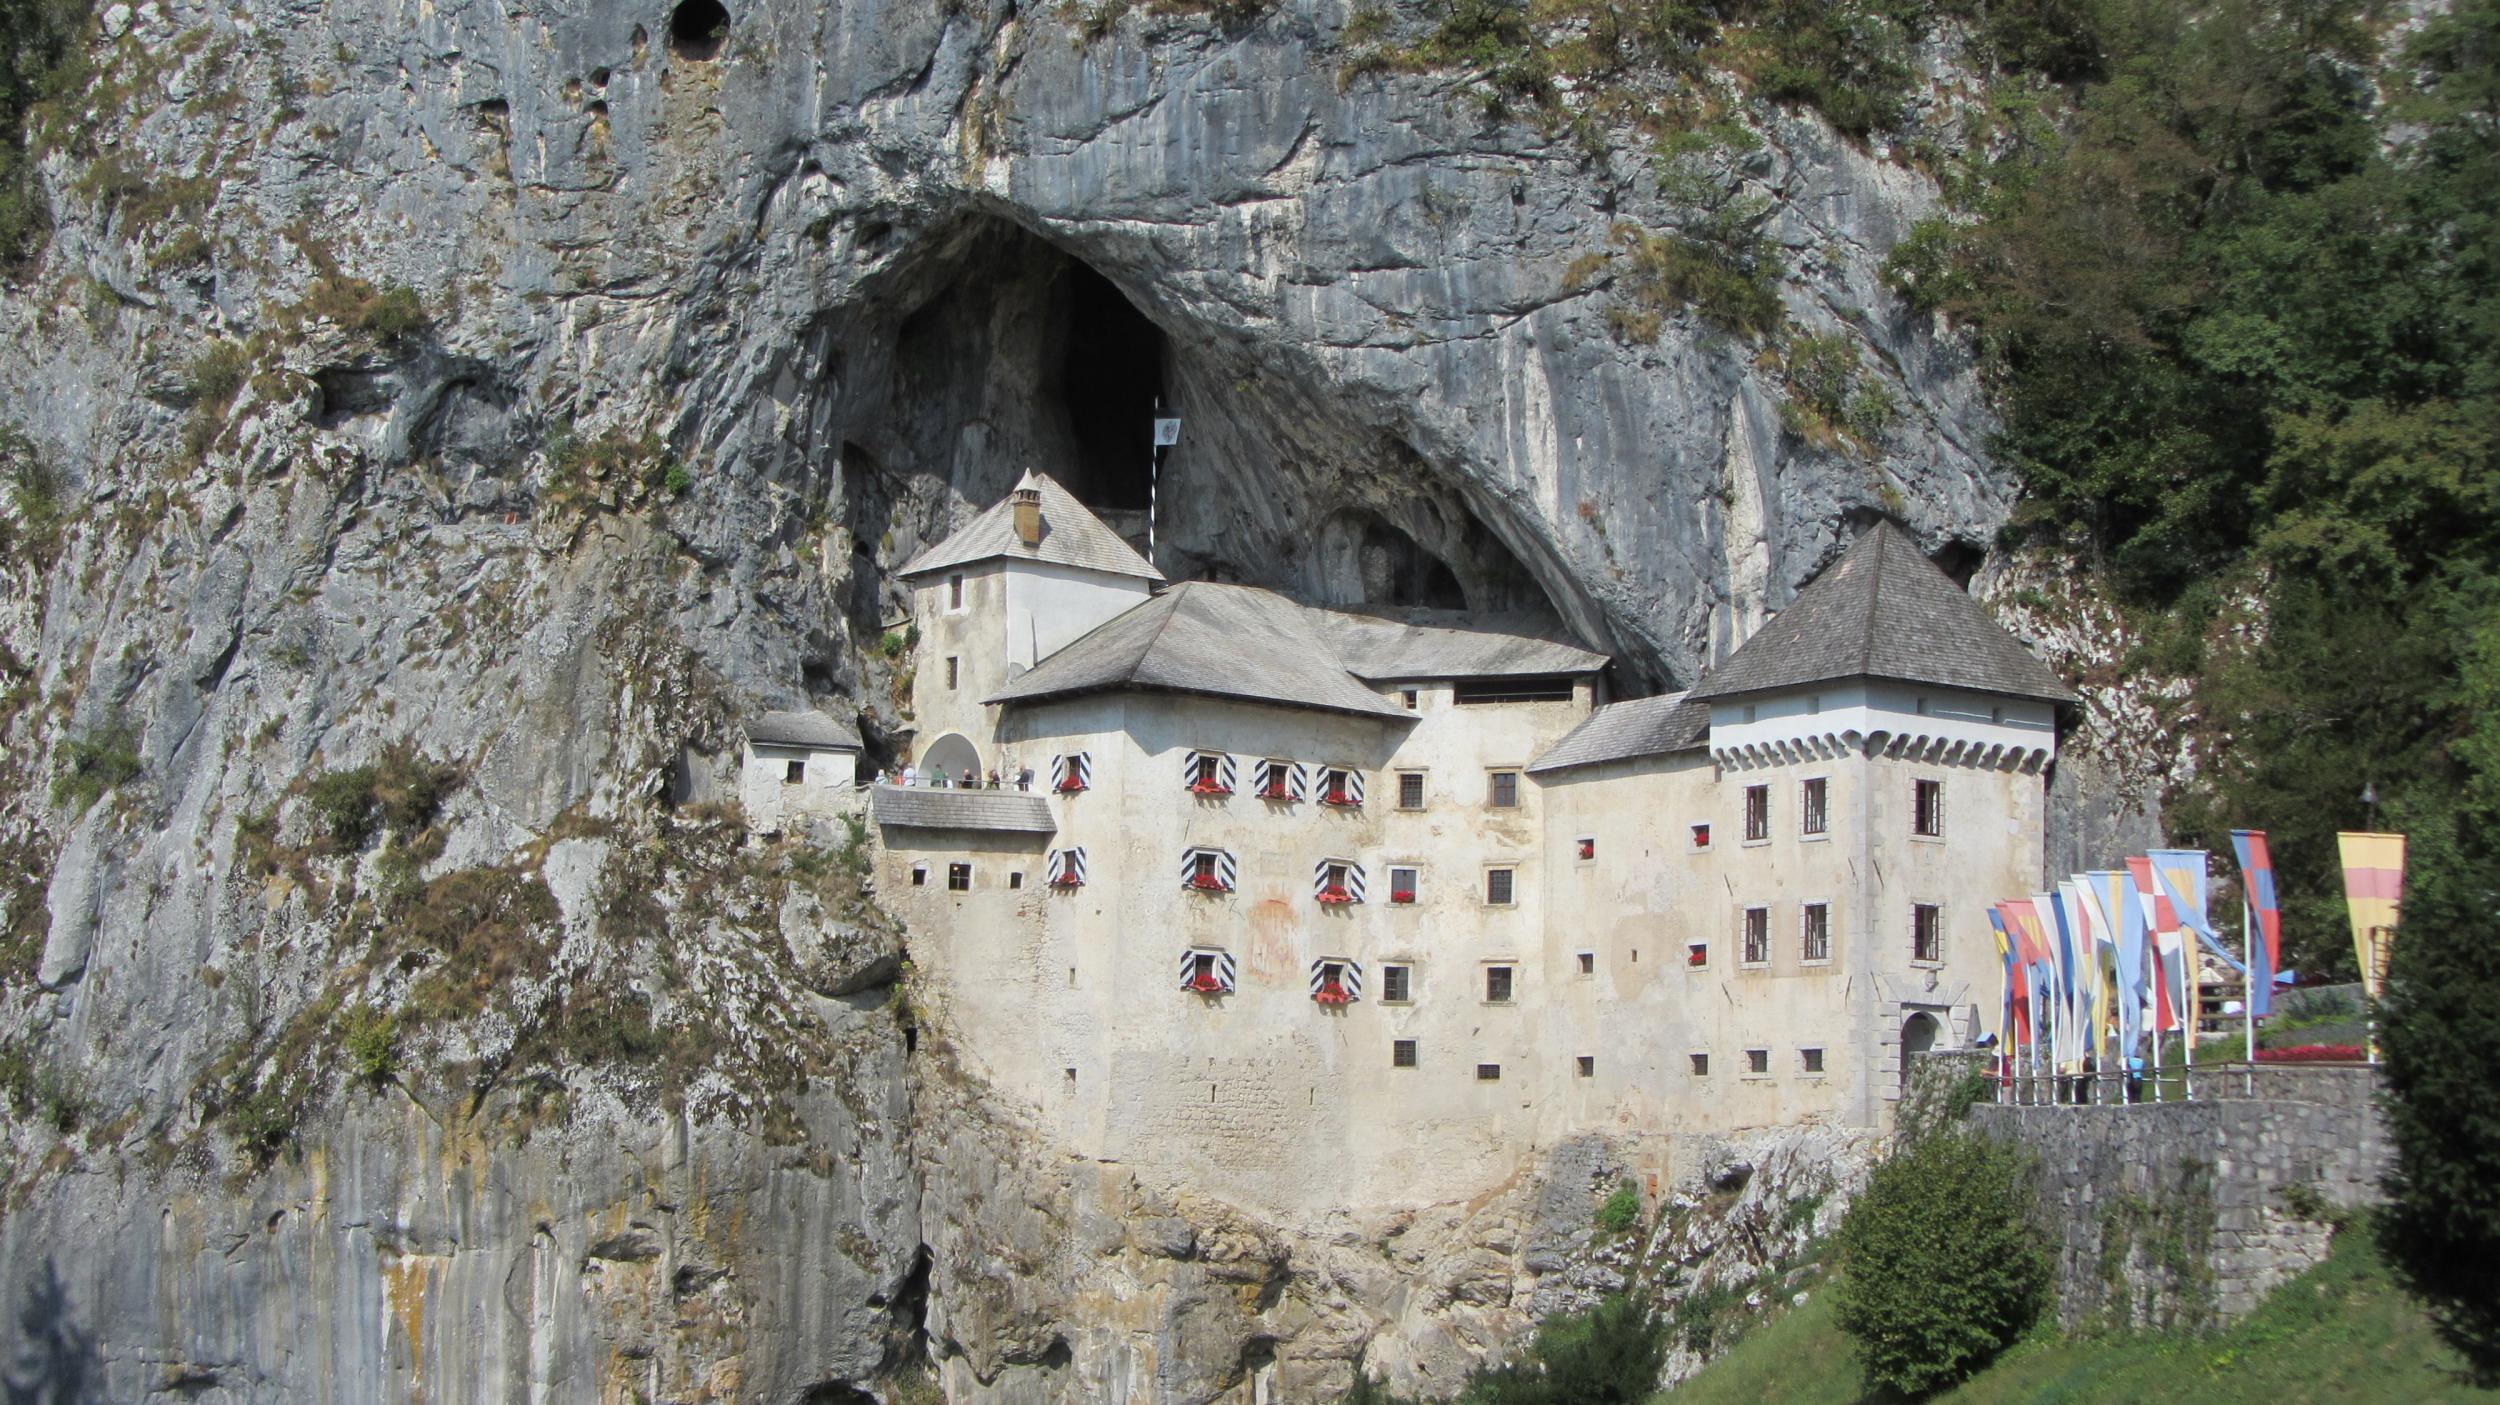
(2248, 992)
(2192, 978)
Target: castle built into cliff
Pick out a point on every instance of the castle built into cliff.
(1305, 906)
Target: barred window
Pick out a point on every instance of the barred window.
(1497, 984)
(1757, 813)
(1498, 887)
(1401, 1053)
(1926, 932)
(1757, 935)
(1927, 809)
(1502, 790)
(1410, 790)
(1395, 984)
(1817, 943)
(1813, 805)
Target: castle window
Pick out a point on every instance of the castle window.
(1757, 936)
(1016, 879)
(1336, 981)
(1588, 963)
(1926, 932)
(1812, 1059)
(953, 672)
(1488, 1073)
(1927, 809)
(1511, 690)
(1066, 867)
(1501, 791)
(1072, 773)
(1498, 886)
(1815, 929)
(1757, 814)
(920, 875)
(1701, 1065)
(1412, 699)
(959, 878)
(795, 773)
(1341, 786)
(1401, 1053)
(1401, 887)
(1208, 870)
(955, 591)
(1207, 773)
(1336, 882)
(1588, 1065)
(1396, 983)
(1757, 1062)
(1497, 984)
(1813, 806)
(1279, 780)
(1410, 790)
(1205, 971)
(1701, 836)
(1696, 954)
(1587, 846)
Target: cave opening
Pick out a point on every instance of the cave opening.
(1960, 560)
(696, 29)
(1104, 371)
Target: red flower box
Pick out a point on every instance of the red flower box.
(1209, 788)
(1067, 880)
(1207, 883)
(1337, 797)
(1206, 985)
(1335, 895)
(2311, 1054)
(1697, 957)
(1071, 786)
(1331, 995)
(1276, 792)
(1401, 897)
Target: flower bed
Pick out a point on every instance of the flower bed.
(2311, 1054)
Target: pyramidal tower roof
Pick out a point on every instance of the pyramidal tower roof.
(1883, 610)
(1071, 536)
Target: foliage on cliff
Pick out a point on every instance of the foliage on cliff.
(40, 57)
(1941, 1266)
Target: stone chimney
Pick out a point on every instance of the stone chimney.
(1028, 509)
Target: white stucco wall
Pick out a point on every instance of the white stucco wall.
(771, 800)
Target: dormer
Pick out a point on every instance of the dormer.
(1032, 573)
(1883, 653)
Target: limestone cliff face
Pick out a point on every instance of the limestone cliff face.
(456, 416)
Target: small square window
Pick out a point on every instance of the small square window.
(1701, 1065)
(1922, 707)
(1757, 813)
(1927, 809)
(1488, 1073)
(1410, 790)
(1401, 1053)
(1812, 1059)
(1588, 1065)
(1498, 886)
(1701, 836)
(1015, 880)
(1816, 944)
(1926, 932)
(1697, 953)
(1757, 935)
(1401, 887)
(1497, 985)
(1757, 1061)
(1587, 846)
(955, 591)
(1413, 700)
(954, 671)
(1588, 963)
(1814, 806)
(1502, 790)
(959, 878)
(920, 875)
(794, 773)
(1752, 713)
(1395, 984)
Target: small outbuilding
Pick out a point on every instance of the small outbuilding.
(798, 765)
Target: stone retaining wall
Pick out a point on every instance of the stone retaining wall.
(2187, 1214)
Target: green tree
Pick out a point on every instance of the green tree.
(1940, 1263)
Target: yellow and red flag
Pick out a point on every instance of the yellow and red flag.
(2374, 883)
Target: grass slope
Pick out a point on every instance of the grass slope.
(2341, 1332)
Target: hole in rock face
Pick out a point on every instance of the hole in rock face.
(1106, 373)
(696, 29)
(1960, 560)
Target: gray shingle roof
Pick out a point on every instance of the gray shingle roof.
(1226, 641)
(1071, 536)
(927, 807)
(1451, 644)
(1883, 610)
(808, 729)
(1670, 722)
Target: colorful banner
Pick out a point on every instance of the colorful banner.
(2115, 910)
(2032, 942)
(2265, 947)
(2016, 1029)
(2374, 882)
(2170, 983)
(2181, 874)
